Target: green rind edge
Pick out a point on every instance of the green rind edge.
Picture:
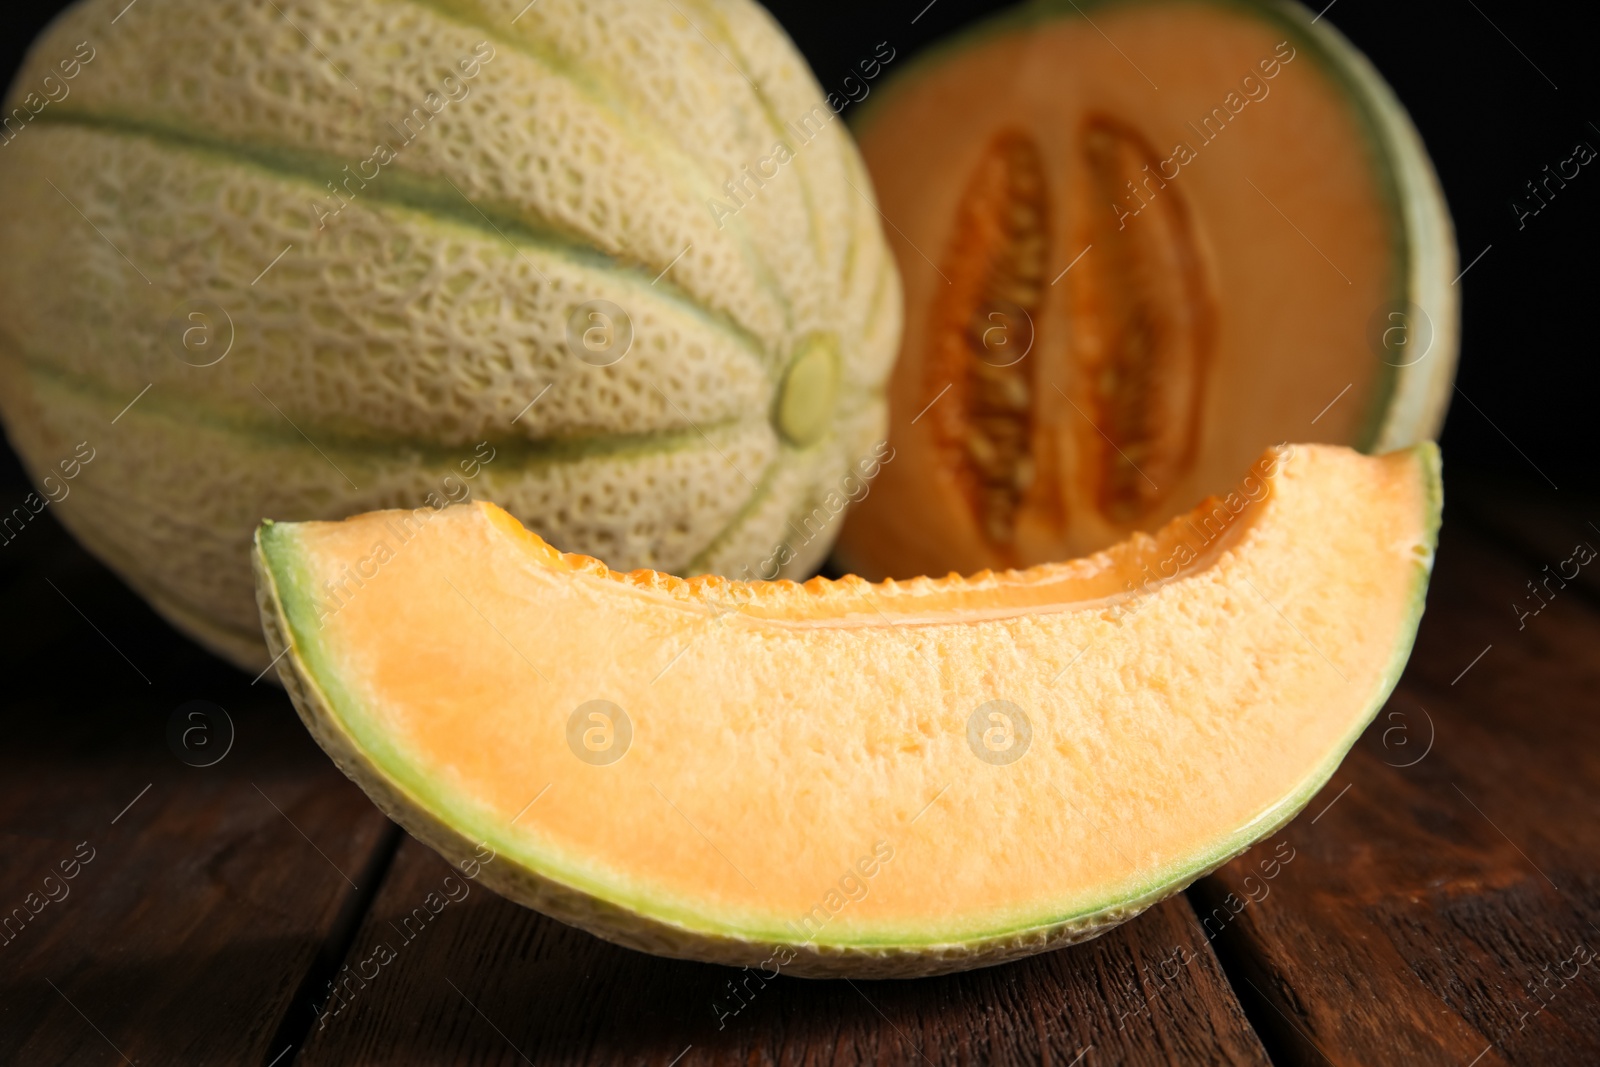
(329, 709)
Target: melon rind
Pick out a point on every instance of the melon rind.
(424, 811)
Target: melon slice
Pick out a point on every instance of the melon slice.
(1140, 242)
(841, 778)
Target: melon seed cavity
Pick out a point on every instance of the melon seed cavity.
(984, 331)
(1139, 326)
(1142, 318)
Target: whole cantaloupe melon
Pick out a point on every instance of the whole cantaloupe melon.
(614, 264)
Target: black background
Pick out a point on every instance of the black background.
(1498, 90)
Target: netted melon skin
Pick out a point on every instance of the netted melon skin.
(384, 334)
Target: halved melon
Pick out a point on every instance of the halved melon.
(1141, 240)
(840, 778)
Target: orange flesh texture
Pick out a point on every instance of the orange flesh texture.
(1223, 313)
(781, 731)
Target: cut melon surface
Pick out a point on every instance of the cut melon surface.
(1129, 268)
(842, 778)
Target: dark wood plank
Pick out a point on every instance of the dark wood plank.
(1555, 531)
(487, 982)
(200, 898)
(1449, 875)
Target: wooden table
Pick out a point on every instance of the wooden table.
(1439, 903)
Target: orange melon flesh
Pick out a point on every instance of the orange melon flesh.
(1140, 241)
(807, 786)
